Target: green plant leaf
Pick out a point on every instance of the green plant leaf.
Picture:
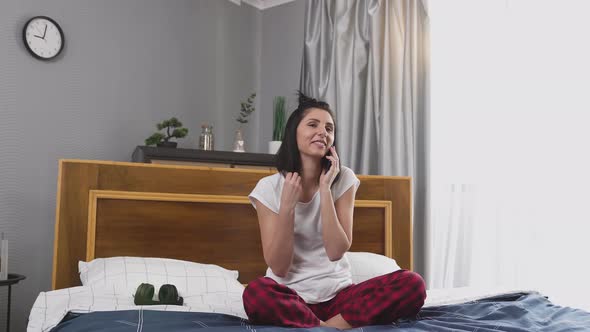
(179, 132)
(154, 139)
(246, 108)
(174, 123)
(278, 118)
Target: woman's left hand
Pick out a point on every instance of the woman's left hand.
(327, 178)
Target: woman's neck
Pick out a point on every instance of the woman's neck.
(310, 172)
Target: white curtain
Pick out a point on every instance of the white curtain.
(369, 60)
(510, 165)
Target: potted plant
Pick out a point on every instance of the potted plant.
(278, 131)
(246, 108)
(173, 130)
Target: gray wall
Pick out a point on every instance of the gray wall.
(282, 51)
(127, 65)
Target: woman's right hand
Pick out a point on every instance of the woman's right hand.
(291, 190)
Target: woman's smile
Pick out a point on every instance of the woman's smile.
(319, 144)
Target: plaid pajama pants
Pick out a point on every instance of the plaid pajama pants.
(380, 300)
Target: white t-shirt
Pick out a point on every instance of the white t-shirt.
(312, 275)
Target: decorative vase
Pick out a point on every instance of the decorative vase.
(273, 146)
(239, 141)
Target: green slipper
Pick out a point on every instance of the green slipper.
(144, 295)
(168, 294)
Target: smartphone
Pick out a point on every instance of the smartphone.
(326, 163)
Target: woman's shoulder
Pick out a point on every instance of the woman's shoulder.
(266, 192)
(346, 171)
(273, 179)
(347, 179)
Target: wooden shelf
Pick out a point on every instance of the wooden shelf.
(224, 159)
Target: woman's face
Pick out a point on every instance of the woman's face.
(315, 133)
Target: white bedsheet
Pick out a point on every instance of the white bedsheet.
(51, 307)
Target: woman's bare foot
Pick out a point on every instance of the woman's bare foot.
(337, 322)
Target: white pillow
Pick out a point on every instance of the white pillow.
(125, 274)
(367, 265)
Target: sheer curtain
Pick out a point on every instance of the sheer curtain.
(510, 165)
(369, 60)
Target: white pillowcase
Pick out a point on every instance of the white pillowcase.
(367, 265)
(125, 274)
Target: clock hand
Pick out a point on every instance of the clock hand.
(44, 32)
(38, 36)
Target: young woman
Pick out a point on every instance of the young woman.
(305, 215)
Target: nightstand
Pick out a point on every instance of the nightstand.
(13, 278)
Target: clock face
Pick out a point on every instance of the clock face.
(43, 37)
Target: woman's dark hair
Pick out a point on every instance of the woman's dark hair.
(288, 158)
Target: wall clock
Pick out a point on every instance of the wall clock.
(43, 37)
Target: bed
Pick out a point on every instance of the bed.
(119, 224)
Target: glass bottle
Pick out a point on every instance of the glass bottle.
(206, 139)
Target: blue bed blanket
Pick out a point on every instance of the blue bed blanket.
(511, 312)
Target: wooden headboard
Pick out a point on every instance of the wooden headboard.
(198, 214)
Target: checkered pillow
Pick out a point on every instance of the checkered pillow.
(125, 274)
(366, 265)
